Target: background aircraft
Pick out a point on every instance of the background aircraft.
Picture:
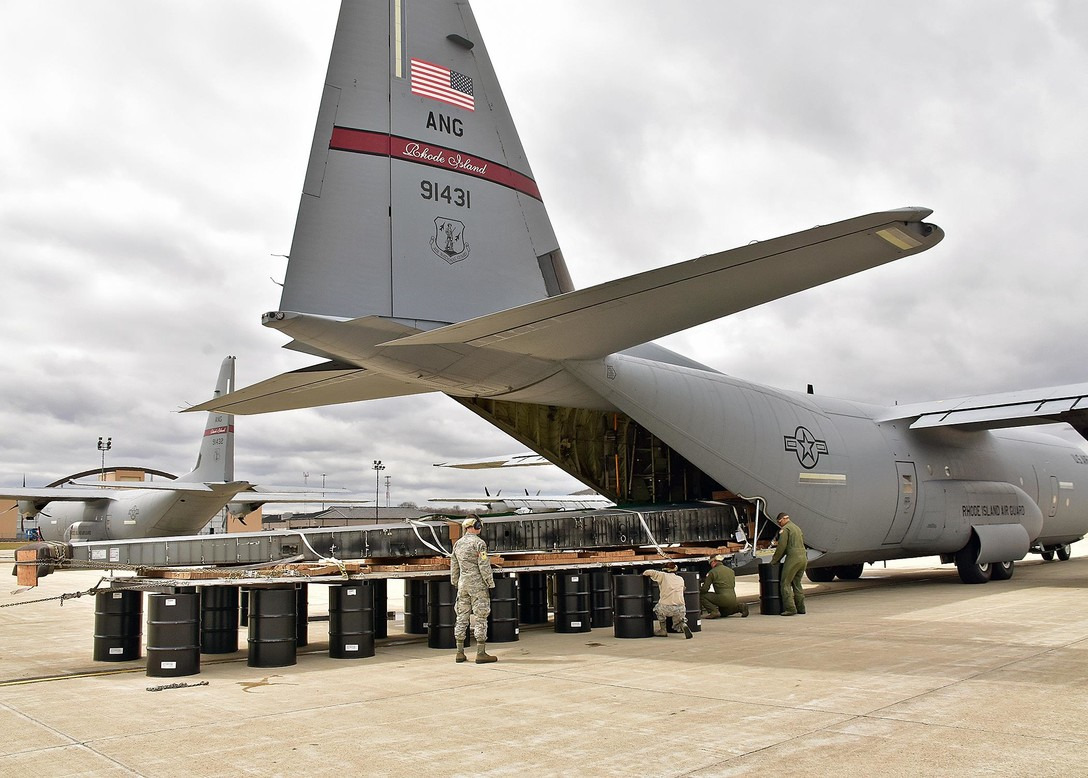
(114, 510)
(423, 260)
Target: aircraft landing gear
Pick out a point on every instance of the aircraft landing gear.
(970, 569)
(827, 574)
(850, 572)
(1064, 552)
(1001, 571)
(821, 574)
(1048, 556)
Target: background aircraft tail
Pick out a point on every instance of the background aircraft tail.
(216, 459)
(418, 203)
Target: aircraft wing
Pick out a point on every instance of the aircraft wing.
(332, 497)
(616, 315)
(51, 494)
(166, 486)
(994, 411)
(327, 383)
(512, 460)
(560, 501)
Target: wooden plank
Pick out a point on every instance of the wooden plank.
(27, 575)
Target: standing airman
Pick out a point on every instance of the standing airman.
(470, 572)
(791, 545)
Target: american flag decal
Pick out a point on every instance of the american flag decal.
(442, 84)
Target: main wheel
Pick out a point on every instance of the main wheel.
(968, 566)
(1048, 556)
(1064, 552)
(821, 574)
(850, 572)
(1001, 571)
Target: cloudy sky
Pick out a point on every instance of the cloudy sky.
(152, 155)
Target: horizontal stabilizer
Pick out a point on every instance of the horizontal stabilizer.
(328, 383)
(995, 411)
(616, 315)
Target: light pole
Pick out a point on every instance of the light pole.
(322, 491)
(378, 467)
(387, 478)
(104, 446)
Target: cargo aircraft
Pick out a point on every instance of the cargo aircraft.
(117, 510)
(423, 260)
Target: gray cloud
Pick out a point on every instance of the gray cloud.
(153, 154)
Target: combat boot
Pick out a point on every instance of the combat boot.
(744, 610)
(460, 652)
(714, 614)
(661, 631)
(482, 657)
(687, 630)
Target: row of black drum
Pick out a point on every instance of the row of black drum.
(581, 601)
(183, 624)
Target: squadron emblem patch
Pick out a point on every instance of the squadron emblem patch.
(449, 239)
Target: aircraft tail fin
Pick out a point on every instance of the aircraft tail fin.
(215, 462)
(418, 203)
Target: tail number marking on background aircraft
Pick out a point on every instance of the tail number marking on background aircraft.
(430, 190)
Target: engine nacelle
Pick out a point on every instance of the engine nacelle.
(242, 509)
(28, 509)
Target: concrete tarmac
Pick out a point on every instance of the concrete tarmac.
(906, 672)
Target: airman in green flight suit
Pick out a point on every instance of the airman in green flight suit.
(723, 602)
(791, 545)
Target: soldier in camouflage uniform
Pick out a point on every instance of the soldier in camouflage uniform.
(791, 544)
(671, 601)
(470, 573)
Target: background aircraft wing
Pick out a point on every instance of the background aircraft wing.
(327, 383)
(330, 496)
(616, 315)
(45, 494)
(556, 501)
(511, 460)
(472, 500)
(166, 486)
(1009, 409)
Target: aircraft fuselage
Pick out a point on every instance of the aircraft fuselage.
(862, 490)
(124, 514)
